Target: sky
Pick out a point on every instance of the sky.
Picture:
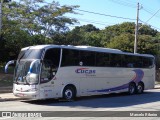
(103, 13)
(113, 11)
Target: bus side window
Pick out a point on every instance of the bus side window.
(130, 65)
(102, 59)
(116, 60)
(70, 57)
(50, 64)
(46, 70)
(88, 58)
(147, 62)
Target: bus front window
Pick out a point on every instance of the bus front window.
(27, 72)
(33, 74)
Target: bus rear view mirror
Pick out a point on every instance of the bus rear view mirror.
(7, 65)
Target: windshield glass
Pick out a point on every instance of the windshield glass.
(30, 54)
(27, 72)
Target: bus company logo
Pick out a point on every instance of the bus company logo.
(85, 71)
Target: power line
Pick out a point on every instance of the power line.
(152, 15)
(93, 21)
(124, 3)
(104, 14)
(99, 13)
(129, 4)
(150, 12)
(149, 24)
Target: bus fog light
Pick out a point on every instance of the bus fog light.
(34, 89)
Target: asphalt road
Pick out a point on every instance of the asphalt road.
(113, 105)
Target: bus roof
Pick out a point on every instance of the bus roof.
(89, 48)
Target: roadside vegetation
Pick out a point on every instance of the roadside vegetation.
(6, 80)
(36, 22)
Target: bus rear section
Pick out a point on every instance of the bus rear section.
(103, 72)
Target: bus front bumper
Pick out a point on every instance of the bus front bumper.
(27, 95)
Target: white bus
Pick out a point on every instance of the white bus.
(59, 71)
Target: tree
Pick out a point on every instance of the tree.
(146, 45)
(6, 0)
(124, 42)
(86, 28)
(147, 30)
(31, 22)
(83, 35)
(38, 17)
(116, 30)
(12, 42)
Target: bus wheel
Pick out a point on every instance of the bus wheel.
(140, 88)
(132, 88)
(69, 93)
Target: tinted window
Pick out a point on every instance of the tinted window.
(50, 64)
(137, 62)
(148, 62)
(53, 56)
(131, 61)
(115, 60)
(87, 58)
(102, 59)
(70, 57)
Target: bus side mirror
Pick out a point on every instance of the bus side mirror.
(9, 63)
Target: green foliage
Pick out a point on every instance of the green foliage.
(124, 42)
(147, 30)
(83, 35)
(118, 29)
(36, 18)
(33, 22)
(146, 45)
(85, 28)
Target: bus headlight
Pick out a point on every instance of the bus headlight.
(32, 78)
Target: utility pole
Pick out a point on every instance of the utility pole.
(136, 30)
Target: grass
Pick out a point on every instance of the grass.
(10, 69)
(157, 82)
(6, 79)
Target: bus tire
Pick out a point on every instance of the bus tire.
(140, 88)
(132, 89)
(69, 93)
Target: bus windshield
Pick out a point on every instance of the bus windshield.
(30, 54)
(27, 72)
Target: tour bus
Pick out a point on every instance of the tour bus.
(66, 71)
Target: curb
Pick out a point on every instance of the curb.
(8, 89)
(157, 87)
(5, 91)
(10, 99)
